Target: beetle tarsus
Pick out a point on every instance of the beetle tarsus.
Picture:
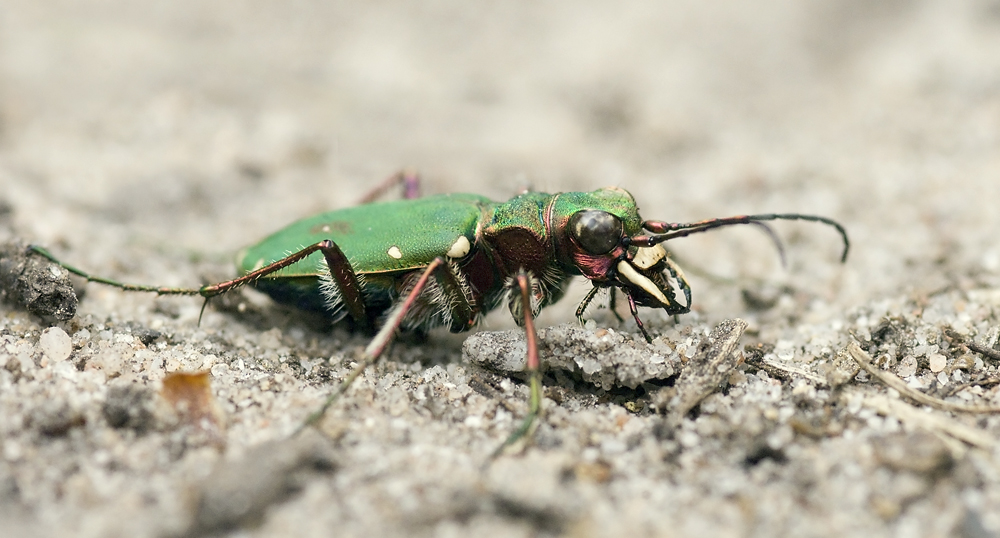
(635, 315)
(201, 312)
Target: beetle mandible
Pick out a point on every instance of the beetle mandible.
(447, 260)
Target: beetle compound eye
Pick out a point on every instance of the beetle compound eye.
(596, 231)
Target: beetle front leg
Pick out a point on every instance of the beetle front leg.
(532, 367)
(635, 315)
(580, 310)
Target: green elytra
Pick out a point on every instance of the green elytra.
(421, 229)
(448, 259)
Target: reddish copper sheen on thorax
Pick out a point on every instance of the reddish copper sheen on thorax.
(519, 236)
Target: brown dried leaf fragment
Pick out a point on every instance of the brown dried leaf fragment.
(190, 396)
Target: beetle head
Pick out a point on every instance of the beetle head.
(594, 232)
(601, 235)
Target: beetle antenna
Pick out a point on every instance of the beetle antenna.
(778, 244)
(666, 231)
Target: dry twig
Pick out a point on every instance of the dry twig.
(892, 381)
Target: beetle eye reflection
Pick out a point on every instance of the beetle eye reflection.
(596, 231)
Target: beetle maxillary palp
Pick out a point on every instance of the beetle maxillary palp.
(646, 257)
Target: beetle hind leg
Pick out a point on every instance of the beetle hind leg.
(462, 312)
(409, 179)
(343, 281)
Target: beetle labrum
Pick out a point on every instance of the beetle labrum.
(447, 260)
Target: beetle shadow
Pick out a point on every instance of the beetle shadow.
(256, 311)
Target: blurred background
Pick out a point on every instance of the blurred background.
(137, 137)
(150, 141)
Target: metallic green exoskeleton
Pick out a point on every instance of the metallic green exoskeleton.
(447, 260)
(482, 244)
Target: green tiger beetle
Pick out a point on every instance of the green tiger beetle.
(447, 260)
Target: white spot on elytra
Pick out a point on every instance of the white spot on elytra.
(394, 252)
(459, 248)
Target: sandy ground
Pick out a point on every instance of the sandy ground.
(149, 142)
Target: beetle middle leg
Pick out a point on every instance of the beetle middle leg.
(532, 365)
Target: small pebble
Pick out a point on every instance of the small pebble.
(937, 362)
(942, 379)
(55, 344)
(907, 367)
